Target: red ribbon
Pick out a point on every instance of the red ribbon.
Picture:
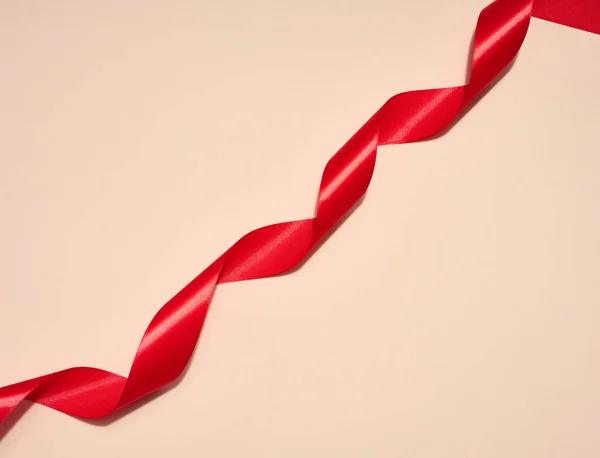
(169, 340)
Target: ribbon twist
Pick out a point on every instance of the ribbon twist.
(169, 340)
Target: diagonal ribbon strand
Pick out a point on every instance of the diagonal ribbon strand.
(169, 340)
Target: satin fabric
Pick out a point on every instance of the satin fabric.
(169, 340)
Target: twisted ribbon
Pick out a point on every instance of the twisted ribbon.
(169, 340)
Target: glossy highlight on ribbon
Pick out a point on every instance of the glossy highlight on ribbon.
(169, 340)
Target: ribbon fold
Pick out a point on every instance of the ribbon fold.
(169, 340)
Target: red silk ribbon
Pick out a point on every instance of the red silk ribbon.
(169, 340)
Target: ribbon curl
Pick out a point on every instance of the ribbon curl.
(169, 340)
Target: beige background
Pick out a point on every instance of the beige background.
(455, 314)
